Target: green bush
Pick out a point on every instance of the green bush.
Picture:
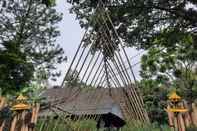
(90, 125)
(138, 126)
(191, 128)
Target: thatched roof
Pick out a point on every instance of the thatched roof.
(88, 101)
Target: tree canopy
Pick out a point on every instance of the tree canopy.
(167, 66)
(28, 33)
(138, 22)
(173, 65)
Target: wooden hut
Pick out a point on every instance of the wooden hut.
(107, 106)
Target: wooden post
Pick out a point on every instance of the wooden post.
(170, 118)
(23, 120)
(187, 119)
(34, 118)
(33, 114)
(175, 122)
(194, 114)
(181, 122)
(2, 102)
(37, 112)
(13, 125)
(2, 126)
(187, 116)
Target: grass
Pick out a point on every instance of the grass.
(90, 125)
(137, 126)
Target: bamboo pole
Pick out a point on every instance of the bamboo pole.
(13, 125)
(175, 123)
(23, 121)
(171, 119)
(33, 114)
(36, 113)
(181, 122)
(187, 119)
(194, 114)
(2, 125)
(187, 116)
(34, 117)
(2, 102)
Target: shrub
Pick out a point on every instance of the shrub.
(191, 128)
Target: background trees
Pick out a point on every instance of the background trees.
(169, 65)
(72, 79)
(27, 36)
(172, 62)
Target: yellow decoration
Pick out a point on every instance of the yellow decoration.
(174, 97)
(176, 110)
(20, 106)
(21, 97)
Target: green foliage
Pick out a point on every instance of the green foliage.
(170, 64)
(173, 65)
(155, 99)
(72, 79)
(90, 125)
(27, 49)
(34, 92)
(15, 70)
(138, 21)
(137, 126)
(192, 128)
(49, 2)
(68, 125)
(84, 125)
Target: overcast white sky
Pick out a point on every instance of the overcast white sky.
(71, 35)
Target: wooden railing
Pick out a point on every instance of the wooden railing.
(181, 121)
(24, 120)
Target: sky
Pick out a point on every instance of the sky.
(71, 35)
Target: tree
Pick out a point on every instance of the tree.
(138, 22)
(168, 67)
(173, 65)
(48, 2)
(27, 35)
(72, 79)
(155, 99)
(15, 70)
